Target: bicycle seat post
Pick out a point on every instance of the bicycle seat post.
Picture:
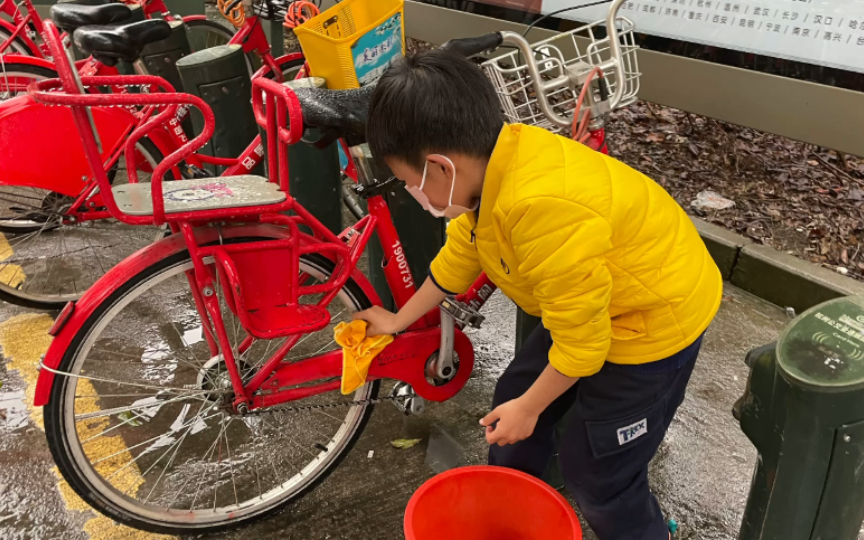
(140, 67)
(361, 156)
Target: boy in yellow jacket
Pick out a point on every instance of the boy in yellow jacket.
(615, 268)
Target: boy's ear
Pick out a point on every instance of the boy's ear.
(443, 164)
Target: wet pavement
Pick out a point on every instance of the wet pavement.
(701, 474)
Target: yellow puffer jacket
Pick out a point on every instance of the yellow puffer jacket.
(609, 260)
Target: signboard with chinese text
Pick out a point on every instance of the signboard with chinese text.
(822, 32)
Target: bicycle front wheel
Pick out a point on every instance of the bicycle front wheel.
(142, 432)
(47, 260)
(204, 34)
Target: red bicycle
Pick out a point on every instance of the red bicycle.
(194, 387)
(20, 36)
(51, 210)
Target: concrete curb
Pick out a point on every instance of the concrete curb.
(775, 276)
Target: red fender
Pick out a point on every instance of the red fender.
(195, 18)
(132, 266)
(34, 49)
(29, 60)
(48, 153)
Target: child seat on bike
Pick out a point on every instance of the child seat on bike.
(267, 302)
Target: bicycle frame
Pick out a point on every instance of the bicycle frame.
(275, 382)
(23, 23)
(23, 120)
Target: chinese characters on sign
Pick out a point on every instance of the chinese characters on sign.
(823, 32)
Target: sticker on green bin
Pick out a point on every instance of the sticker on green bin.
(377, 49)
(825, 346)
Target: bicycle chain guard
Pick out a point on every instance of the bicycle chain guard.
(403, 360)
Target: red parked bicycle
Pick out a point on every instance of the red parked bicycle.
(20, 36)
(51, 210)
(194, 387)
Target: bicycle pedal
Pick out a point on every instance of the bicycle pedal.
(196, 172)
(462, 313)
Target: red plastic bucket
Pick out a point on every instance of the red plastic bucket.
(489, 503)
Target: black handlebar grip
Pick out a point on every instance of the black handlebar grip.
(468, 47)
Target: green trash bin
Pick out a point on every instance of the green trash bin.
(314, 173)
(219, 76)
(803, 409)
(161, 57)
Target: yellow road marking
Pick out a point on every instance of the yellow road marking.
(10, 274)
(24, 340)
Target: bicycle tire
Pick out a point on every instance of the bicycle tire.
(23, 74)
(220, 34)
(99, 496)
(17, 293)
(18, 46)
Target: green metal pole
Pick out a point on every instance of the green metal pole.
(161, 57)
(219, 76)
(420, 234)
(314, 172)
(185, 7)
(803, 409)
(273, 30)
(525, 324)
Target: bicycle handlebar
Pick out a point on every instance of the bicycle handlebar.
(472, 46)
(543, 87)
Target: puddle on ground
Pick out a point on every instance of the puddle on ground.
(443, 452)
(13, 410)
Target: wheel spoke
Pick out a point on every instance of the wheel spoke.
(154, 426)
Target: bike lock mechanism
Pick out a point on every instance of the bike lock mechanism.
(803, 410)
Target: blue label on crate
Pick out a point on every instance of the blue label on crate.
(377, 48)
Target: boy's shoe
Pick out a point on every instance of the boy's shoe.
(673, 528)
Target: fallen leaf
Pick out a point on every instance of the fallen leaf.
(402, 444)
(128, 418)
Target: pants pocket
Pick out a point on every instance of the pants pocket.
(609, 437)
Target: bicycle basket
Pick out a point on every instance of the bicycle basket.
(353, 42)
(581, 49)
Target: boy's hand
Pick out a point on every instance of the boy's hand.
(516, 421)
(381, 322)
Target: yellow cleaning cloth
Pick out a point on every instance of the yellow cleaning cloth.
(358, 351)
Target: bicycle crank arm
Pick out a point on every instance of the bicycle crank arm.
(462, 313)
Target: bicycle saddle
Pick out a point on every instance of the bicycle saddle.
(86, 2)
(72, 16)
(342, 111)
(108, 44)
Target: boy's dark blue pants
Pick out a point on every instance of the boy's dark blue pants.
(619, 417)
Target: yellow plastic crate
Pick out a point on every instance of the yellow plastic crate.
(352, 43)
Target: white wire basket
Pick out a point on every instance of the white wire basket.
(581, 49)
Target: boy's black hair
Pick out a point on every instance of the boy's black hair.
(434, 102)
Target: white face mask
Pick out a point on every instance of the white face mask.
(453, 210)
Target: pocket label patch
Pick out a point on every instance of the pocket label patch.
(633, 431)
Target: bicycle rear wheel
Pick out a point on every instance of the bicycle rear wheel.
(18, 45)
(15, 76)
(46, 260)
(142, 434)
